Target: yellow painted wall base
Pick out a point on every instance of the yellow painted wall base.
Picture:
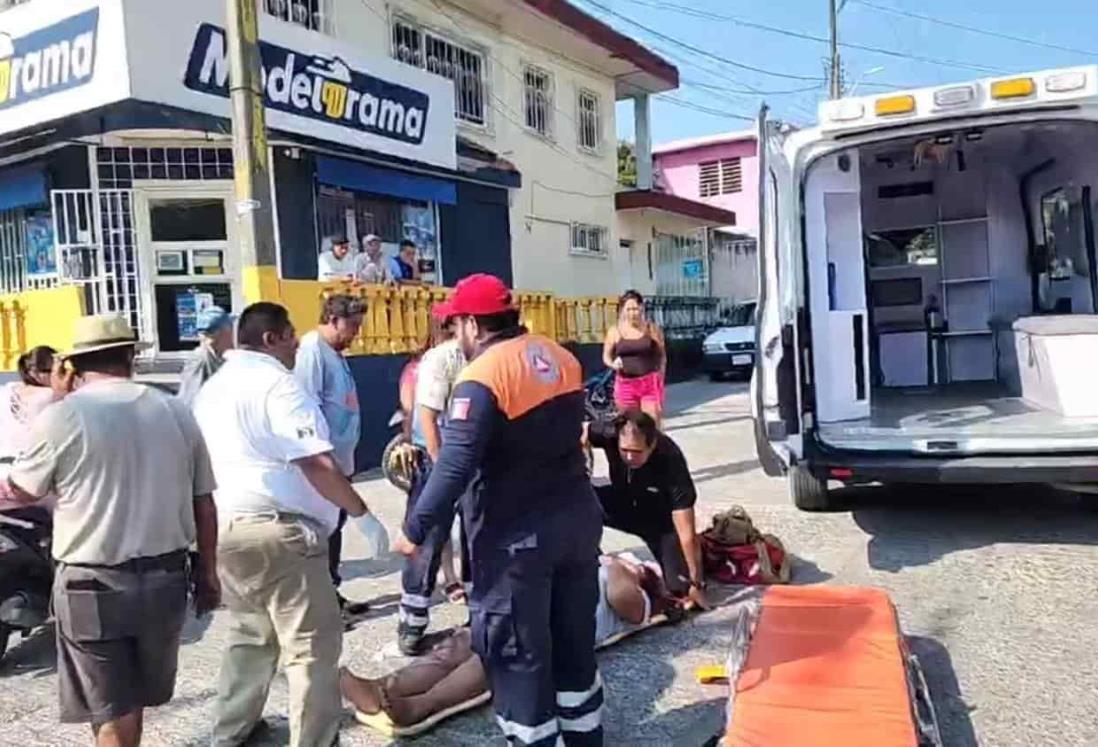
(38, 317)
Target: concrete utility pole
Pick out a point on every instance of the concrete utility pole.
(836, 84)
(251, 170)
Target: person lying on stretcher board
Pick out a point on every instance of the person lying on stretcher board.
(630, 596)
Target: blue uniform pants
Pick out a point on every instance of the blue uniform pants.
(533, 626)
(417, 580)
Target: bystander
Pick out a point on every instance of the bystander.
(215, 336)
(133, 482)
(279, 497)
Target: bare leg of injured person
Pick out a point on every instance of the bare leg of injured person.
(451, 674)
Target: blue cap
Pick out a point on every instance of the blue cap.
(213, 319)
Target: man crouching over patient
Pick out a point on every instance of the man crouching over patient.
(450, 674)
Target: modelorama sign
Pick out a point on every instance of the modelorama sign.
(50, 60)
(319, 87)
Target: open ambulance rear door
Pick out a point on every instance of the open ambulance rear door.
(775, 387)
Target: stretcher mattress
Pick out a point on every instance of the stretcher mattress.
(822, 666)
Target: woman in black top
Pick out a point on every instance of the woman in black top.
(635, 349)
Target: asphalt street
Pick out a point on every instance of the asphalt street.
(995, 588)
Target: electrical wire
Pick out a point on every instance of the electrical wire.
(709, 15)
(705, 109)
(972, 29)
(699, 50)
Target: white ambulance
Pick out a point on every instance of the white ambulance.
(929, 288)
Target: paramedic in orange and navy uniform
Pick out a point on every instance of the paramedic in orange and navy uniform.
(531, 517)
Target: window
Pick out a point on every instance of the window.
(187, 220)
(590, 126)
(314, 15)
(588, 239)
(908, 246)
(538, 100)
(720, 177)
(421, 48)
(1065, 234)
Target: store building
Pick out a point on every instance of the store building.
(116, 165)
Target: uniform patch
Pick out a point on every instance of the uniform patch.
(459, 408)
(543, 364)
(306, 433)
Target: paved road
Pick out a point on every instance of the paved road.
(996, 588)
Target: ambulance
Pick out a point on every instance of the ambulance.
(929, 287)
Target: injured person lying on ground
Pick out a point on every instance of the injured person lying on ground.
(450, 678)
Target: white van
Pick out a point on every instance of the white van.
(929, 288)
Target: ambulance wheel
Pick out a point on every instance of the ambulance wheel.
(809, 492)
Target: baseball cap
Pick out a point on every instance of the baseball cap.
(213, 319)
(371, 237)
(442, 311)
(480, 295)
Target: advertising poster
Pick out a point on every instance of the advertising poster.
(188, 305)
(41, 257)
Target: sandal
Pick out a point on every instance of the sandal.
(455, 593)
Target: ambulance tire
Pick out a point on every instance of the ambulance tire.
(809, 492)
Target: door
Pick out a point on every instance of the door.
(189, 257)
(776, 384)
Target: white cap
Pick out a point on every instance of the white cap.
(371, 237)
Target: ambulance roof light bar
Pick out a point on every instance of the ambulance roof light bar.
(992, 94)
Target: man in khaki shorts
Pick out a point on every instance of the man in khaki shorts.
(133, 482)
(279, 494)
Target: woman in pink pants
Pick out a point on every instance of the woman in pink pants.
(636, 350)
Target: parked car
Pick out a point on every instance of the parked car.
(731, 349)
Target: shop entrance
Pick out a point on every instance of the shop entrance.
(189, 258)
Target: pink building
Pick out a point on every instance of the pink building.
(719, 170)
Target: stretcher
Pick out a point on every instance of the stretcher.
(381, 723)
(823, 666)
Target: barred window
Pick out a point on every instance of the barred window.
(589, 121)
(419, 47)
(315, 15)
(589, 239)
(538, 100)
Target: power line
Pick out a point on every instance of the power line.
(699, 50)
(741, 91)
(705, 109)
(973, 29)
(709, 15)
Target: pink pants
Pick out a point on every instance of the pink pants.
(630, 393)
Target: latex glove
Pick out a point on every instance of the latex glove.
(377, 537)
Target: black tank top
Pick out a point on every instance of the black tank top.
(639, 357)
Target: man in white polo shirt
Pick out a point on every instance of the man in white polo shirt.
(279, 493)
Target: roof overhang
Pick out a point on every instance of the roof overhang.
(646, 199)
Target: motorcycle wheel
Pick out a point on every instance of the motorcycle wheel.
(396, 480)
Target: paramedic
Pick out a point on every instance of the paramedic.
(651, 495)
(531, 517)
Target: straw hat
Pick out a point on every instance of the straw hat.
(102, 332)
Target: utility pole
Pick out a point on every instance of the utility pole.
(836, 83)
(251, 170)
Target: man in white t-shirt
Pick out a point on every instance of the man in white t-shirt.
(280, 490)
(338, 262)
(376, 268)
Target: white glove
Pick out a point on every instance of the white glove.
(377, 537)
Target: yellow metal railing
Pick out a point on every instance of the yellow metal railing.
(397, 318)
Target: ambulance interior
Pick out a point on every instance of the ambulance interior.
(925, 272)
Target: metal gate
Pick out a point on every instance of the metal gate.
(96, 247)
(682, 267)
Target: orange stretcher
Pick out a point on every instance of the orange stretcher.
(823, 666)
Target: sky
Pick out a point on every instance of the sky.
(910, 52)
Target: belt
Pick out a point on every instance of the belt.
(169, 561)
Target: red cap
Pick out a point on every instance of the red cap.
(480, 295)
(442, 311)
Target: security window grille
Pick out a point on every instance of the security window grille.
(416, 46)
(314, 15)
(590, 128)
(538, 98)
(720, 177)
(588, 239)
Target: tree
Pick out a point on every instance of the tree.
(627, 164)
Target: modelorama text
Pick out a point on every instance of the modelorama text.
(52, 59)
(315, 86)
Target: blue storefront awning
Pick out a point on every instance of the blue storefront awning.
(22, 187)
(341, 172)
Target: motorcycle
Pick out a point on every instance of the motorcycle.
(599, 396)
(26, 572)
(395, 477)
